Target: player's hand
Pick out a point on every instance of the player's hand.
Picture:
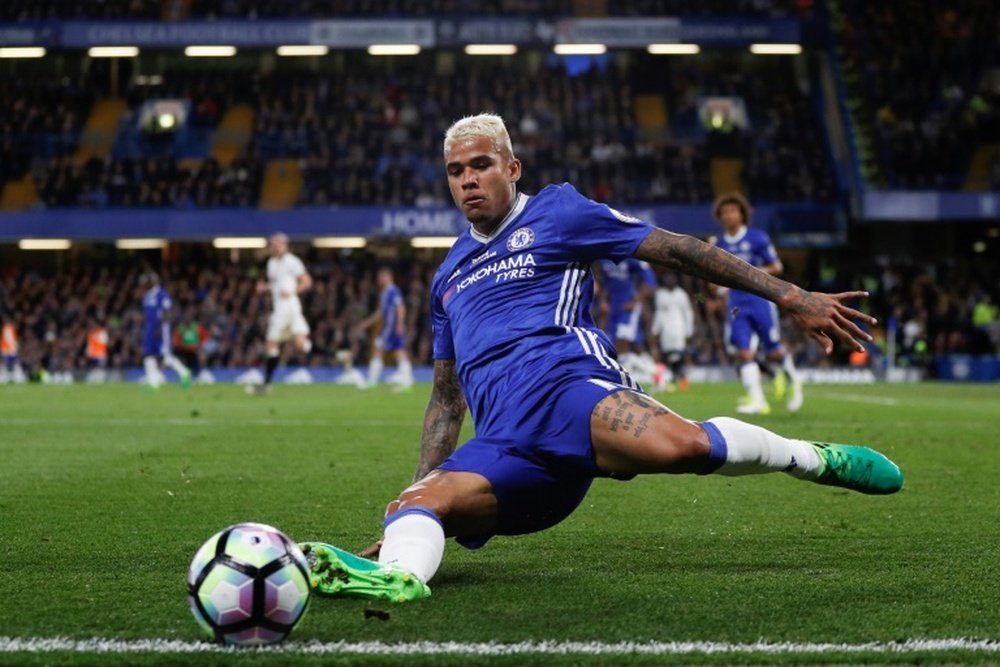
(285, 294)
(373, 550)
(825, 318)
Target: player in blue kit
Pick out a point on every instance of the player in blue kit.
(514, 341)
(754, 319)
(156, 304)
(627, 286)
(392, 332)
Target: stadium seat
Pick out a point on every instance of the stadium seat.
(233, 134)
(98, 136)
(282, 185)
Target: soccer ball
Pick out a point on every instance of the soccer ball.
(248, 585)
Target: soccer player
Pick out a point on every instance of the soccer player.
(156, 305)
(514, 342)
(392, 334)
(754, 317)
(626, 286)
(287, 278)
(673, 323)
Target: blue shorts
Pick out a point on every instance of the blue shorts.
(541, 477)
(390, 341)
(760, 319)
(154, 341)
(626, 325)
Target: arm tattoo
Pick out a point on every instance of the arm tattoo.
(442, 420)
(693, 256)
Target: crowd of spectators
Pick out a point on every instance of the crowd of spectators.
(928, 83)
(369, 131)
(54, 311)
(40, 118)
(22, 10)
(927, 308)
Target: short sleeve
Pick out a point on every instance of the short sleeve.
(596, 230)
(444, 347)
(646, 274)
(768, 254)
(298, 268)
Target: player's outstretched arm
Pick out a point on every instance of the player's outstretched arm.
(823, 316)
(443, 418)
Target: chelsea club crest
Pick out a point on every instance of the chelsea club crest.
(520, 239)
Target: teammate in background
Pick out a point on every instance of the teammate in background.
(287, 278)
(156, 305)
(752, 314)
(97, 351)
(626, 286)
(673, 323)
(392, 333)
(514, 341)
(8, 351)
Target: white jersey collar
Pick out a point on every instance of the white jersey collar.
(737, 237)
(519, 203)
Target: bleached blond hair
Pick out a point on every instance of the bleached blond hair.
(488, 125)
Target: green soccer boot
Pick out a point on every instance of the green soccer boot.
(858, 468)
(780, 384)
(336, 572)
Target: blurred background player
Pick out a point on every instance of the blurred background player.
(673, 324)
(10, 371)
(626, 286)
(287, 278)
(97, 351)
(392, 333)
(156, 305)
(350, 374)
(751, 316)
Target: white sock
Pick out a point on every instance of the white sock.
(176, 364)
(750, 376)
(414, 542)
(788, 365)
(637, 367)
(375, 369)
(405, 371)
(153, 375)
(751, 450)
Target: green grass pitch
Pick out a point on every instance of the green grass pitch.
(106, 492)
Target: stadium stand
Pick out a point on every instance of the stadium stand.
(367, 132)
(347, 129)
(925, 88)
(156, 9)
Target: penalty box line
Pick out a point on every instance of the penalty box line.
(166, 646)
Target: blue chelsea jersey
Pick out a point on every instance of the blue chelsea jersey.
(155, 304)
(754, 247)
(390, 299)
(622, 279)
(513, 308)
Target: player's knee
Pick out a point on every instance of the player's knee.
(690, 444)
(418, 496)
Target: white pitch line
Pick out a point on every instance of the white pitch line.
(858, 398)
(165, 646)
